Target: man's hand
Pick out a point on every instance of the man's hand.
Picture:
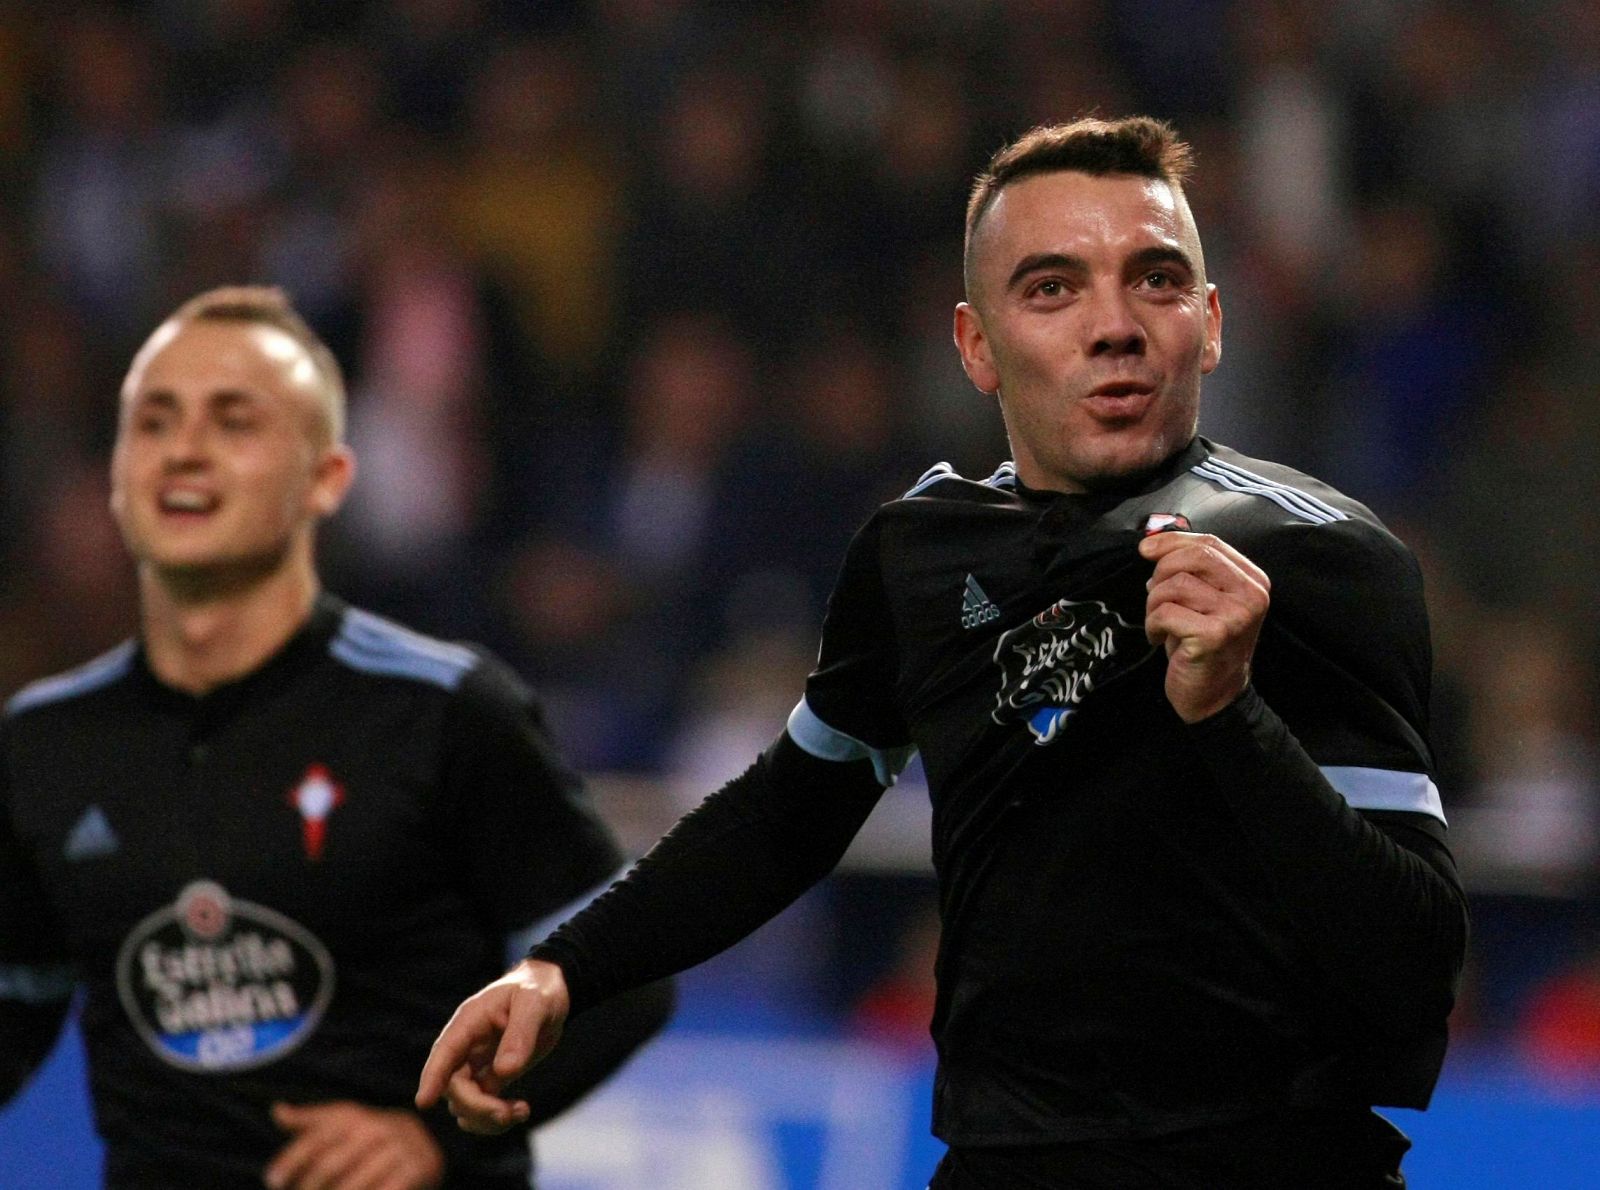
(348, 1146)
(1206, 605)
(492, 1039)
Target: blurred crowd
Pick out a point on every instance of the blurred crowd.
(646, 303)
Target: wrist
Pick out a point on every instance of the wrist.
(575, 993)
(1221, 716)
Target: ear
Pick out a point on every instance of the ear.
(334, 472)
(973, 344)
(1211, 355)
(118, 501)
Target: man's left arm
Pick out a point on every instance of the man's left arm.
(1373, 893)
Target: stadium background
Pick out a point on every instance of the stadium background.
(645, 303)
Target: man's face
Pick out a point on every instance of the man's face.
(221, 462)
(1091, 319)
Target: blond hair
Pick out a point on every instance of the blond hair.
(267, 305)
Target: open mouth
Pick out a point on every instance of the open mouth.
(1120, 399)
(1122, 388)
(187, 502)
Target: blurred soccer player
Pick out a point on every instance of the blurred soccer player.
(1198, 915)
(276, 838)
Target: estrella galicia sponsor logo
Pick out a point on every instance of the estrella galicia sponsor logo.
(214, 984)
(1049, 665)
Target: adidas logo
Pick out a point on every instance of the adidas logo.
(91, 836)
(976, 607)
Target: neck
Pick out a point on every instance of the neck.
(199, 636)
(1040, 479)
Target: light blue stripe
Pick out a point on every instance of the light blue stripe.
(520, 942)
(1321, 505)
(1005, 476)
(1284, 498)
(37, 985)
(827, 743)
(1386, 789)
(930, 477)
(375, 646)
(368, 629)
(86, 679)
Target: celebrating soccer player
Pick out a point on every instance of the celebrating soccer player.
(1198, 912)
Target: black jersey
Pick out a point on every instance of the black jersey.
(1118, 955)
(282, 889)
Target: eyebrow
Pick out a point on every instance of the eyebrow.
(1046, 260)
(227, 398)
(1162, 254)
(1157, 254)
(221, 401)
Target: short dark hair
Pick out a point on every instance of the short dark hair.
(1137, 145)
(269, 305)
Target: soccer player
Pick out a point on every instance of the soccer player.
(276, 838)
(1198, 914)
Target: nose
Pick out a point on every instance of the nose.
(184, 449)
(1113, 328)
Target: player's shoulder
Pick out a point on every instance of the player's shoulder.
(942, 496)
(1268, 493)
(1293, 523)
(941, 507)
(381, 648)
(1254, 499)
(943, 483)
(73, 689)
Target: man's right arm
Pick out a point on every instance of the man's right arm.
(731, 864)
(35, 985)
(728, 866)
(28, 1027)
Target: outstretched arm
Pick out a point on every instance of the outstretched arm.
(727, 867)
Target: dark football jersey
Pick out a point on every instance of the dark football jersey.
(1115, 958)
(282, 889)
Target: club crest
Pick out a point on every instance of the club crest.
(1164, 522)
(316, 797)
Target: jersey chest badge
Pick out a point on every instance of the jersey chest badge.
(1166, 522)
(1050, 664)
(316, 797)
(215, 984)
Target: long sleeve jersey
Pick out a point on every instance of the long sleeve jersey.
(1146, 925)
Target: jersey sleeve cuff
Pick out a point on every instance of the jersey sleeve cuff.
(581, 992)
(1362, 787)
(828, 743)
